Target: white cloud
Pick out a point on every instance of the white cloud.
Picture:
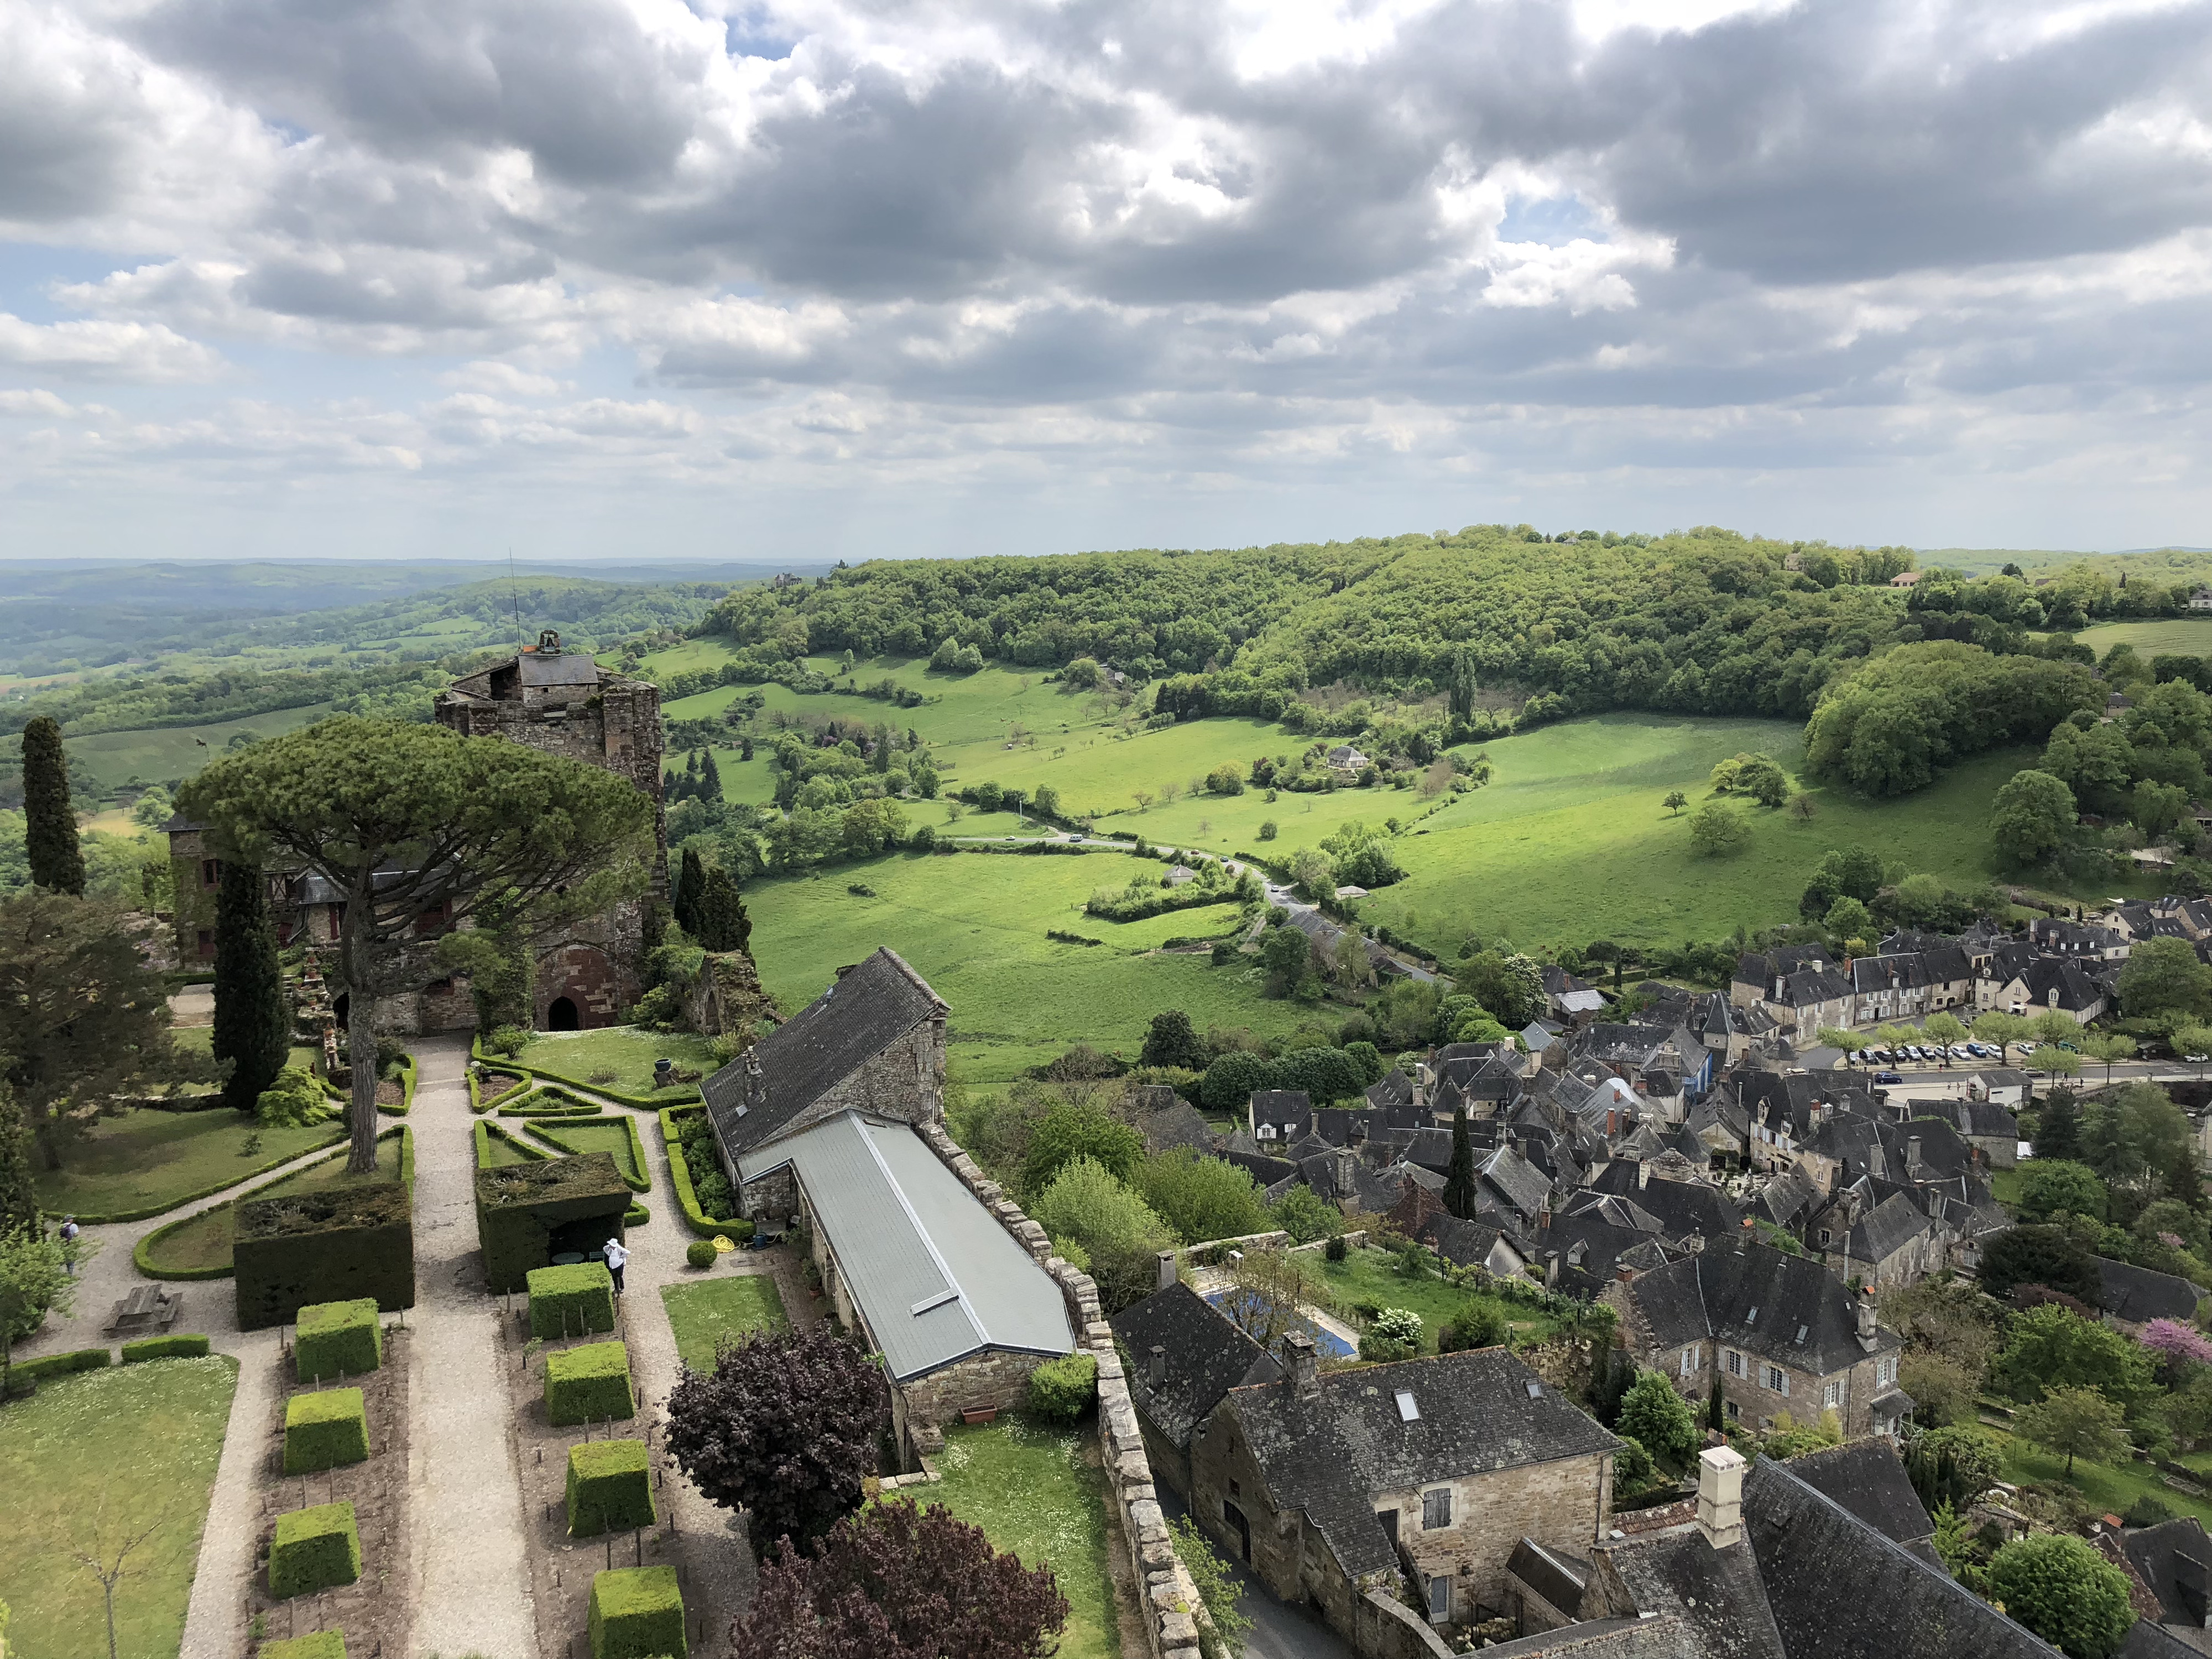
(144, 352)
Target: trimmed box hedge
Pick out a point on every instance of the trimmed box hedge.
(165, 1347)
(637, 1613)
(324, 1431)
(337, 1339)
(572, 1301)
(687, 1195)
(526, 1213)
(314, 1549)
(610, 1487)
(550, 1130)
(322, 1645)
(348, 1243)
(590, 1384)
(27, 1372)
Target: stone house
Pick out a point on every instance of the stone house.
(1890, 1244)
(1184, 1355)
(1331, 1486)
(1780, 1333)
(828, 1121)
(2130, 1296)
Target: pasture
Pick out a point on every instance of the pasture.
(2173, 636)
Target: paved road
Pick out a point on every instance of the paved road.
(1278, 1630)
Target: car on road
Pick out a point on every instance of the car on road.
(1888, 1077)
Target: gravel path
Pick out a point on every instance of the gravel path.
(473, 1584)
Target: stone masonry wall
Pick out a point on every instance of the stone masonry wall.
(1171, 1604)
(901, 1083)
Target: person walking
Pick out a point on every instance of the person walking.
(69, 1236)
(617, 1253)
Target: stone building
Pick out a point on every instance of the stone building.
(563, 703)
(1779, 1332)
(1330, 1486)
(1186, 1355)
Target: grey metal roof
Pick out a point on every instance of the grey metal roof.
(934, 1274)
(564, 668)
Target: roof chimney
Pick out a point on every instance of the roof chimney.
(1866, 1311)
(1912, 1155)
(1720, 1496)
(1168, 1274)
(1642, 1176)
(1305, 1365)
(1157, 1376)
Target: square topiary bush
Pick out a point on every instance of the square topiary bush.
(637, 1613)
(342, 1245)
(610, 1487)
(323, 1645)
(528, 1214)
(588, 1384)
(337, 1339)
(323, 1431)
(314, 1549)
(572, 1301)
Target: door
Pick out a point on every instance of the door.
(1242, 1528)
(1439, 1599)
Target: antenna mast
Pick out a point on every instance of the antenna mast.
(514, 594)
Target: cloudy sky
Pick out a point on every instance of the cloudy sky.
(630, 279)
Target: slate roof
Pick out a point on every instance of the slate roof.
(1682, 1206)
(1396, 1088)
(752, 1099)
(1330, 1453)
(1840, 1589)
(1515, 1180)
(2140, 1294)
(1758, 1298)
(1179, 1125)
(2174, 1559)
(1716, 1594)
(1206, 1356)
(1891, 1226)
(1868, 1479)
(936, 1276)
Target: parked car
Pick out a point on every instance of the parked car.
(1961, 1051)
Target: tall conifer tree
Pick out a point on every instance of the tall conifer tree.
(710, 779)
(19, 1197)
(57, 859)
(1459, 1175)
(691, 882)
(723, 923)
(253, 1016)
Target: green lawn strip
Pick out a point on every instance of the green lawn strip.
(1370, 1276)
(199, 1246)
(2112, 1487)
(617, 1136)
(702, 1311)
(1031, 1493)
(141, 1162)
(627, 1051)
(498, 1146)
(2004, 1186)
(68, 1475)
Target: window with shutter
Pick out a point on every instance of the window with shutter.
(1689, 1362)
(1735, 1363)
(1436, 1508)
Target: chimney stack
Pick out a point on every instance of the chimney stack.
(1168, 1274)
(1912, 1155)
(1158, 1373)
(1720, 1496)
(1643, 1174)
(1866, 1317)
(1305, 1365)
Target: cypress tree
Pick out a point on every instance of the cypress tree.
(723, 923)
(710, 779)
(57, 860)
(1459, 1175)
(2058, 1126)
(19, 1197)
(253, 1016)
(691, 882)
(1715, 1410)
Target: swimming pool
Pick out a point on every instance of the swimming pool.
(1327, 1342)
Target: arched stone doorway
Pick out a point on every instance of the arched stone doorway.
(561, 1016)
(576, 989)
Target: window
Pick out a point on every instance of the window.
(1690, 1361)
(210, 872)
(206, 943)
(1884, 1371)
(1436, 1508)
(1832, 1395)
(1734, 1363)
(1439, 1599)
(1778, 1380)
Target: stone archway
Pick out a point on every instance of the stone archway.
(582, 977)
(561, 1016)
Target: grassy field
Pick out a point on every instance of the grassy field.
(2112, 1487)
(70, 1491)
(610, 1138)
(1370, 1277)
(702, 1311)
(145, 1160)
(974, 926)
(178, 751)
(1030, 1491)
(625, 1050)
(206, 1241)
(2176, 637)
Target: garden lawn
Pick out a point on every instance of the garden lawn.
(1030, 1491)
(2112, 1487)
(701, 1311)
(627, 1051)
(68, 1482)
(974, 926)
(148, 1160)
(1370, 1276)
(612, 1138)
(201, 1038)
(205, 1242)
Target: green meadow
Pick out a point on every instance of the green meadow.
(2175, 637)
(163, 753)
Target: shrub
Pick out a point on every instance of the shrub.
(571, 1301)
(1117, 1230)
(1394, 1334)
(1061, 1390)
(637, 1613)
(294, 1099)
(1384, 1350)
(610, 1488)
(314, 1549)
(322, 1645)
(1657, 1418)
(700, 1253)
(1478, 1326)
(1336, 1249)
(590, 1384)
(58, 1364)
(165, 1347)
(324, 1430)
(2061, 1588)
(507, 1041)
(337, 1339)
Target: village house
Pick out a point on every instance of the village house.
(1330, 1486)
(1345, 758)
(824, 1122)
(1184, 1356)
(1780, 1333)
(2130, 1296)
